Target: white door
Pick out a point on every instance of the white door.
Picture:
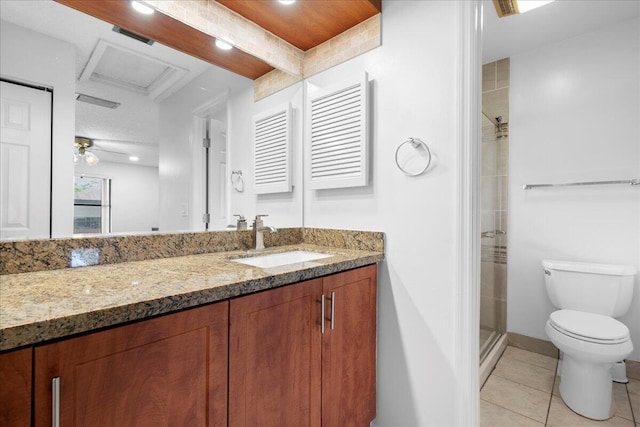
(218, 176)
(25, 162)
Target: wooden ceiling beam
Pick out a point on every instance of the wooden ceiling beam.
(217, 21)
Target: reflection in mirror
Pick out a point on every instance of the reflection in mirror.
(144, 110)
(91, 205)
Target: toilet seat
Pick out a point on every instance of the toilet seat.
(589, 327)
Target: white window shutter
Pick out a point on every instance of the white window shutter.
(272, 150)
(337, 136)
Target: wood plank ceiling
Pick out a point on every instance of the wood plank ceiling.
(304, 24)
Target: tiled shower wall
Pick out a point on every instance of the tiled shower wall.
(495, 163)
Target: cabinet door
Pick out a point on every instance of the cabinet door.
(349, 349)
(15, 388)
(167, 371)
(274, 358)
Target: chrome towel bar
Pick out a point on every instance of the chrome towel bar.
(573, 184)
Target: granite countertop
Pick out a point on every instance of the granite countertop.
(44, 305)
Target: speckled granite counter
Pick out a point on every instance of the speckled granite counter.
(44, 305)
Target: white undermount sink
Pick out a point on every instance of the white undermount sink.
(282, 258)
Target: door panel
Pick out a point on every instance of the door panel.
(25, 162)
(274, 358)
(349, 349)
(218, 181)
(168, 371)
(15, 388)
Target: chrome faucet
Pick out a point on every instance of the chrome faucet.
(258, 229)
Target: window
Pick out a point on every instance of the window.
(91, 207)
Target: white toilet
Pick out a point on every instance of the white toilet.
(589, 296)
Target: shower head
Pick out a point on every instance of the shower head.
(502, 129)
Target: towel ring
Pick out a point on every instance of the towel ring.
(416, 143)
(237, 181)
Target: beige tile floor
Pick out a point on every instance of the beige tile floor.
(523, 391)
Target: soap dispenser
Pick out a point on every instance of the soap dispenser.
(242, 222)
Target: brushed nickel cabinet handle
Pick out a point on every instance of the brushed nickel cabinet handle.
(333, 310)
(55, 402)
(322, 314)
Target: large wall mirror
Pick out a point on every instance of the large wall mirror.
(122, 123)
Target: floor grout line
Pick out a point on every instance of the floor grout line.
(556, 378)
(633, 416)
(511, 410)
(553, 387)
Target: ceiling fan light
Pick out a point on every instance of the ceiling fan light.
(527, 5)
(91, 158)
(513, 7)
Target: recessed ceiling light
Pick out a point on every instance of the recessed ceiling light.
(513, 7)
(221, 44)
(134, 158)
(142, 8)
(287, 1)
(527, 5)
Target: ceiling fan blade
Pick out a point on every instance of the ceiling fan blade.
(128, 142)
(97, 148)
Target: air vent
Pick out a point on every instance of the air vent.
(337, 125)
(272, 151)
(133, 35)
(96, 101)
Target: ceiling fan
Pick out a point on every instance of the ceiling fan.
(84, 148)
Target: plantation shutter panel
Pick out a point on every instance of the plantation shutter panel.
(337, 136)
(272, 151)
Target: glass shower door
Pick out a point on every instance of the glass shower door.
(495, 160)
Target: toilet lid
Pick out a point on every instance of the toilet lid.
(590, 326)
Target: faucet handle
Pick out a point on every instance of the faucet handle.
(259, 217)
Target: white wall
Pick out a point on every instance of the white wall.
(574, 117)
(134, 195)
(414, 92)
(284, 209)
(34, 58)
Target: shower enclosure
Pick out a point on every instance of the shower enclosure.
(495, 162)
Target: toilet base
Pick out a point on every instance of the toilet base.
(619, 373)
(586, 388)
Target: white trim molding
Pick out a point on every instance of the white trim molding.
(468, 219)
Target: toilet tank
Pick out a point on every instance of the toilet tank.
(595, 288)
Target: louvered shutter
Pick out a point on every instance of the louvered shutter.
(337, 136)
(272, 150)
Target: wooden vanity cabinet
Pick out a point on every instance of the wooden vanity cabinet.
(299, 355)
(15, 388)
(167, 371)
(290, 366)
(349, 349)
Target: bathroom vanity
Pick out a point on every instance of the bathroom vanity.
(193, 340)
